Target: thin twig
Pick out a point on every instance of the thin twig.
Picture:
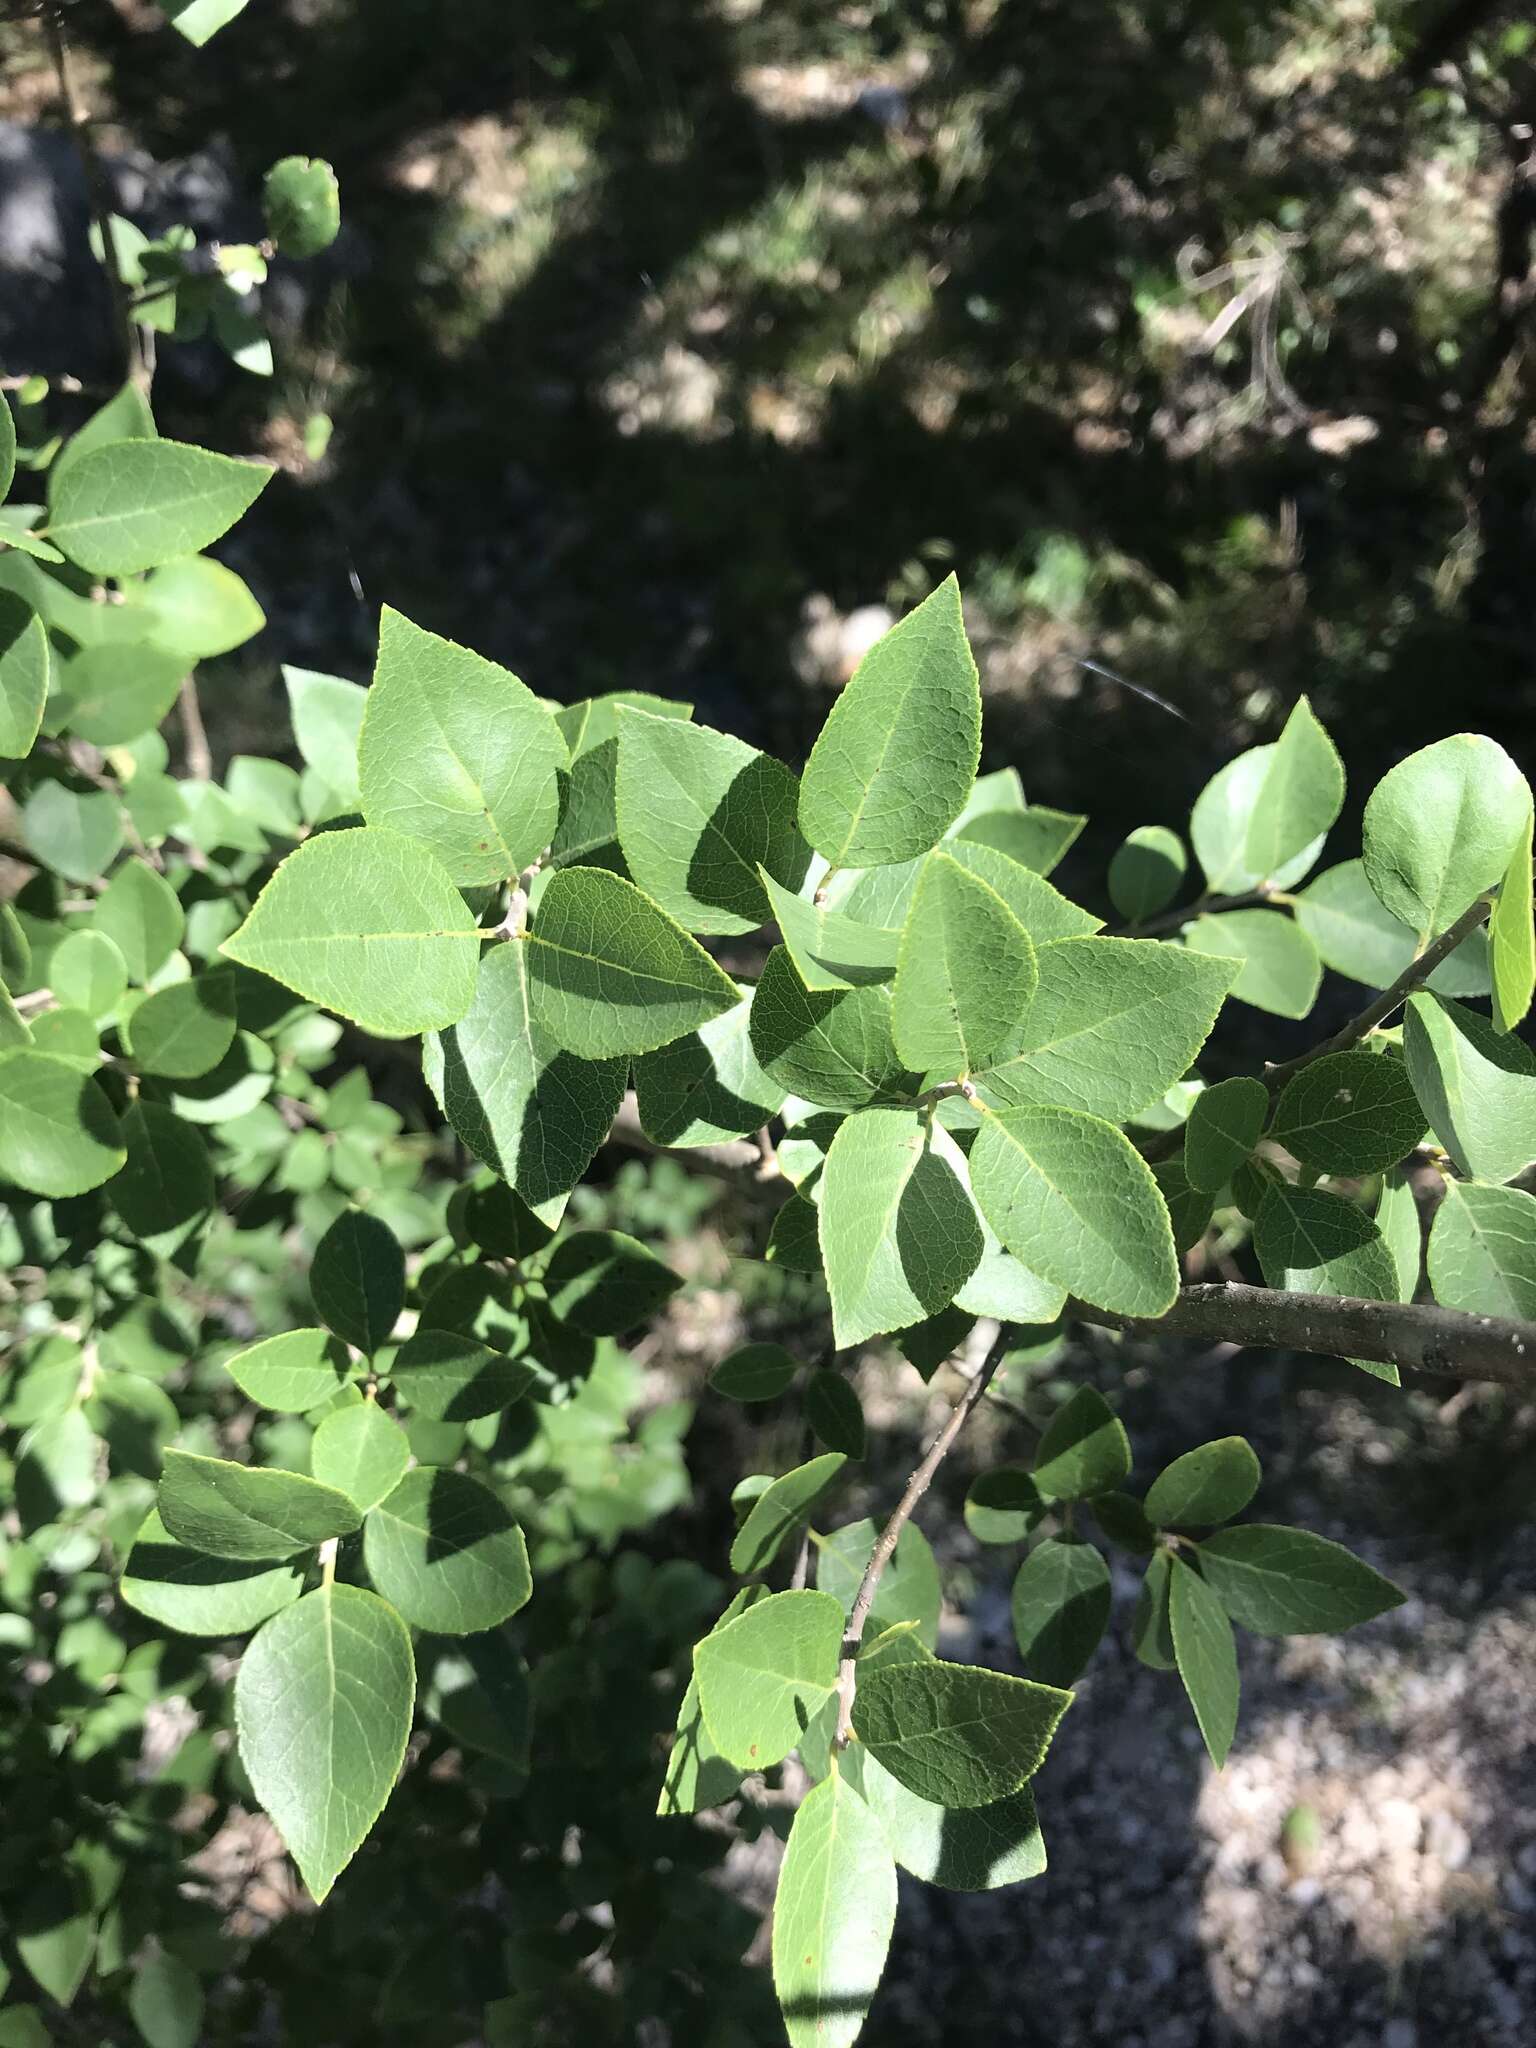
(1412, 978)
(885, 1543)
(99, 189)
(194, 733)
(1204, 906)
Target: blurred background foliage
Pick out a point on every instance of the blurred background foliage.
(675, 345)
(664, 337)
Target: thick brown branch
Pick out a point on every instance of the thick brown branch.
(890, 1535)
(1421, 1336)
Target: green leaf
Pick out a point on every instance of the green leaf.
(833, 1413)
(1356, 936)
(1206, 1654)
(199, 609)
(966, 973)
(1511, 937)
(954, 1734)
(165, 2002)
(1189, 1209)
(604, 1282)
(15, 533)
(458, 754)
(361, 1452)
(1397, 1218)
(1225, 1123)
(1146, 872)
(1300, 796)
(1288, 1582)
(1476, 1085)
(1219, 823)
(1124, 1522)
(699, 814)
(135, 1418)
(897, 756)
(1349, 1112)
(323, 1706)
(1043, 911)
(1151, 1625)
(125, 417)
(832, 1047)
(54, 1928)
(454, 1379)
(1279, 969)
(77, 833)
(166, 1186)
(58, 1133)
(1084, 1450)
(478, 1693)
(1114, 1023)
(589, 830)
(1070, 1194)
(1060, 1603)
(1208, 1485)
(833, 1914)
(1482, 1251)
(764, 1676)
(978, 1849)
(697, 1775)
(1035, 837)
(241, 1511)
(706, 1086)
(141, 914)
(357, 1279)
(830, 949)
(908, 1593)
(757, 1372)
(291, 1373)
(1441, 827)
(1004, 1505)
(24, 664)
(446, 1554)
(899, 1237)
(15, 948)
(200, 20)
(531, 1111)
(131, 505)
(1312, 1242)
(184, 1031)
(88, 973)
(7, 446)
(1001, 1285)
(198, 1595)
(610, 973)
(781, 1509)
(302, 204)
(115, 692)
(327, 715)
(56, 1468)
(68, 1034)
(366, 922)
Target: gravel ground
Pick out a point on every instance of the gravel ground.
(1179, 1910)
